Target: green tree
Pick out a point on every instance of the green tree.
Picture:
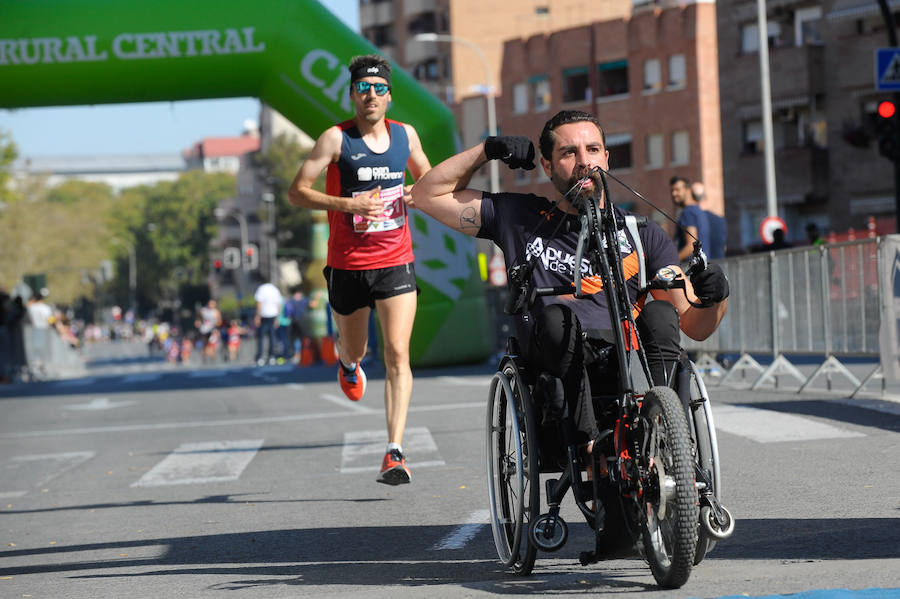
(278, 166)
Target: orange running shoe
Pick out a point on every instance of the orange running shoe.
(353, 384)
(393, 469)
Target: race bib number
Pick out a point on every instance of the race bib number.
(394, 212)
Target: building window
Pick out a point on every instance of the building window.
(612, 78)
(681, 148)
(520, 98)
(750, 36)
(619, 147)
(427, 71)
(381, 35)
(424, 23)
(540, 92)
(652, 77)
(752, 136)
(575, 86)
(677, 71)
(806, 26)
(542, 10)
(655, 145)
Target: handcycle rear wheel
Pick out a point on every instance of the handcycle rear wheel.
(513, 471)
(669, 510)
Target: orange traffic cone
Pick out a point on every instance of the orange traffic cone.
(329, 351)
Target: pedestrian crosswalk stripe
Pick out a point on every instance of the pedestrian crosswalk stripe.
(197, 463)
(464, 533)
(769, 426)
(363, 450)
(36, 470)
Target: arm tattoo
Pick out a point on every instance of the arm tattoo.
(467, 219)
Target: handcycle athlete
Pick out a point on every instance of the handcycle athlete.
(570, 339)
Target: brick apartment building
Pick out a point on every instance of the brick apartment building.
(827, 166)
(651, 79)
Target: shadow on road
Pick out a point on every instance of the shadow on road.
(214, 377)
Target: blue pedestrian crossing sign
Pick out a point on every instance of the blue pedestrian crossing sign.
(887, 69)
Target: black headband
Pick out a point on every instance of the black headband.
(370, 71)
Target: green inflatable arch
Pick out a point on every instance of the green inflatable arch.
(292, 54)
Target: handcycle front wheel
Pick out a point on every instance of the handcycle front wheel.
(513, 471)
(669, 510)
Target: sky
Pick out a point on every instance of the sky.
(149, 127)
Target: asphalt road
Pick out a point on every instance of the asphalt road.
(260, 482)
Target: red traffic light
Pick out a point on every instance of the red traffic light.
(217, 264)
(249, 251)
(886, 109)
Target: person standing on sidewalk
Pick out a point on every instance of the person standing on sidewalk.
(268, 307)
(370, 259)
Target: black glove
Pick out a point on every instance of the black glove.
(515, 150)
(710, 285)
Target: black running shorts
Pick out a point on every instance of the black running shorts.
(350, 290)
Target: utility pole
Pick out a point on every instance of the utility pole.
(892, 40)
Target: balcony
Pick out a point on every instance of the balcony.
(794, 71)
(376, 13)
(411, 7)
(801, 175)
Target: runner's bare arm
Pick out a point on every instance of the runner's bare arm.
(441, 192)
(326, 151)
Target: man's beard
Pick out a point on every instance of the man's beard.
(579, 193)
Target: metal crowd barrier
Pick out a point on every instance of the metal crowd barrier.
(823, 300)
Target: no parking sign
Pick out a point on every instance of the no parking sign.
(768, 225)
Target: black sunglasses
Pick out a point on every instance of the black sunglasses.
(362, 87)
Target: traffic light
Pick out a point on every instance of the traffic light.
(217, 264)
(251, 252)
(887, 128)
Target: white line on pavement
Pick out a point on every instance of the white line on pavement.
(198, 463)
(346, 403)
(463, 533)
(769, 426)
(233, 422)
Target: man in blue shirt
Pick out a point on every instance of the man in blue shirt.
(718, 227)
(693, 222)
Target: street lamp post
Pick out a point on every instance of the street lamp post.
(269, 198)
(488, 91)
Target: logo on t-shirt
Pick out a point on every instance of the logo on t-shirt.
(358, 156)
(377, 173)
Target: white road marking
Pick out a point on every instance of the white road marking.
(363, 450)
(11, 494)
(472, 381)
(198, 463)
(296, 386)
(464, 533)
(769, 426)
(348, 404)
(125, 428)
(39, 469)
(101, 403)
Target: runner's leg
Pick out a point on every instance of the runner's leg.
(353, 333)
(396, 315)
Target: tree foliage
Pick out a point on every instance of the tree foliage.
(278, 166)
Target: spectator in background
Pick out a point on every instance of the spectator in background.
(296, 309)
(268, 307)
(693, 222)
(778, 241)
(718, 227)
(40, 315)
(208, 325)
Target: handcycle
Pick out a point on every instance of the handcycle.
(656, 479)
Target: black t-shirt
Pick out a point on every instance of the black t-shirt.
(512, 219)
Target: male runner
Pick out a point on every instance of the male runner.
(370, 258)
